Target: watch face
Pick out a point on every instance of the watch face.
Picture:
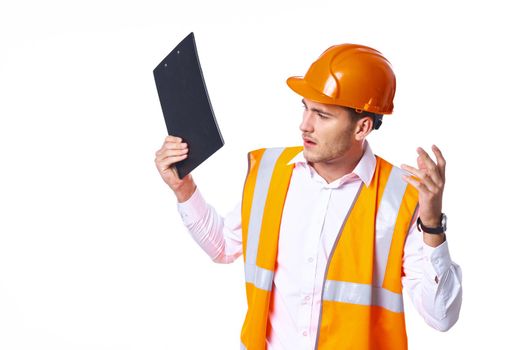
(444, 222)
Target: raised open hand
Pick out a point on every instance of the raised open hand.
(429, 179)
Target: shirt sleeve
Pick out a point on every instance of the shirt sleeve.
(220, 237)
(432, 280)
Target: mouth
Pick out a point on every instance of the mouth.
(308, 142)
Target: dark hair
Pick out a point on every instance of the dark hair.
(357, 115)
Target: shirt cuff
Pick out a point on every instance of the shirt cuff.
(438, 257)
(193, 209)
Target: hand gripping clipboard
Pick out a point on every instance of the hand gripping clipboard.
(186, 106)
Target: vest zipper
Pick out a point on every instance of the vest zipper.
(328, 264)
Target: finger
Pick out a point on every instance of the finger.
(425, 157)
(165, 164)
(171, 138)
(176, 145)
(413, 171)
(421, 176)
(173, 145)
(171, 153)
(175, 152)
(418, 185)
(424, 161)
(441, 162)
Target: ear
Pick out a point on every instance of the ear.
(364, 126)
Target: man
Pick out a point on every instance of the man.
(331, 233)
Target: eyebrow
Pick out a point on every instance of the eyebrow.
(317, 110)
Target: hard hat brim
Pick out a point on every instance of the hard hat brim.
(300, 86)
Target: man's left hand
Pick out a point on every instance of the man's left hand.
(429, 179)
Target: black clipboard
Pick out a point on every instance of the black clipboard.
(186, 105)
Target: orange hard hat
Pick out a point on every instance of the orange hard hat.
(349, 75)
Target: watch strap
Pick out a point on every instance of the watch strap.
(432, 230)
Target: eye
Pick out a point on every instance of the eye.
(322, 116)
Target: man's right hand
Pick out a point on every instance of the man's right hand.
(173, 151)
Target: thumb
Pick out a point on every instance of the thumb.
(172, 169)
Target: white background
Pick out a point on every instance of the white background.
(93, 254)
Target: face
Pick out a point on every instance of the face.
(327, 132)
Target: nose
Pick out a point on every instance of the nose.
(307, 123)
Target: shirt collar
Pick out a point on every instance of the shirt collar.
(364, 169)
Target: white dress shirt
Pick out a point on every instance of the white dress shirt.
(312, 217)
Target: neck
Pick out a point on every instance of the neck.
(335, 168)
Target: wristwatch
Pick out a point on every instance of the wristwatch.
(433, 230)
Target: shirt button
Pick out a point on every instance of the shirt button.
(310, 260)
(305, 333)
(307, 297)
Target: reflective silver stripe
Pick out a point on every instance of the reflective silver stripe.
(261, 278)
(385, 222)
(262, 183)
(362, 294)
(243, 347)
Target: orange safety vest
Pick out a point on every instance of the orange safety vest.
(362, 304)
